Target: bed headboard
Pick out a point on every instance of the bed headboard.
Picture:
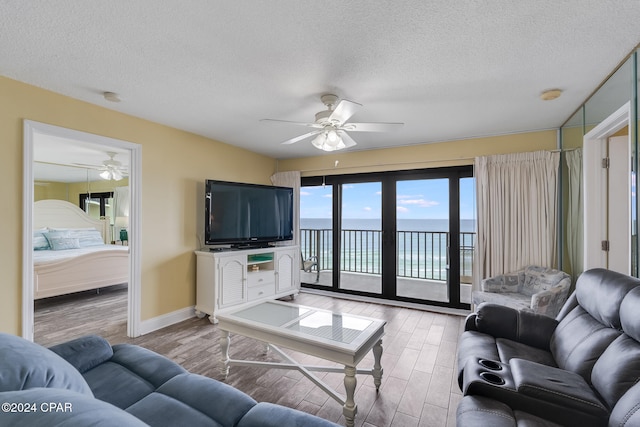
(62, 214)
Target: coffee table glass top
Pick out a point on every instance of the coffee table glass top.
(272, 314)
(337, 327)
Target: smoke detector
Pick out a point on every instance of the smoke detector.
(551, 94)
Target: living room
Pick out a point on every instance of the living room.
(174, 164)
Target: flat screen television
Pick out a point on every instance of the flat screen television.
(247, 215)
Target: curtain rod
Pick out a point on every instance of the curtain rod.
(421, 162)
(563, 150)
(390, 164)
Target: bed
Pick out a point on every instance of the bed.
(72, 251)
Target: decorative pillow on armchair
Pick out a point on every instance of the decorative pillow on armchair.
(503, 283)
(538, 279)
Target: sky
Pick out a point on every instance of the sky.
(416, 199)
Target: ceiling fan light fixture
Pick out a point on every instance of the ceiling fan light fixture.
(328, 140)
(331, 128)
(111, 174)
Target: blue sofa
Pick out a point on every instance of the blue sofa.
(88, 382)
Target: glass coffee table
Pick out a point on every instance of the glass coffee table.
(338, 337)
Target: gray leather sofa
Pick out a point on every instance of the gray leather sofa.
(88, 382)
(581, 368)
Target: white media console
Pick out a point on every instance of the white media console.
(228, 278)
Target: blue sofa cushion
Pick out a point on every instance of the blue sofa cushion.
(201, 400)
(131, 374)
(84, 353)
(147, 364)
(25, 365)
(269, 415)
(62, 408)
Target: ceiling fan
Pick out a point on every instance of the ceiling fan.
(111, 169)
(331, 127)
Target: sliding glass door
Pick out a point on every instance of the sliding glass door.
(361, 237)
(405, 236)
(422, 224)
(316, 235)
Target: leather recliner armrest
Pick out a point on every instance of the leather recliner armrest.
(506, 322)
(565, 395)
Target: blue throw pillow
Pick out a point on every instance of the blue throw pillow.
(64, 243)
(40, 242)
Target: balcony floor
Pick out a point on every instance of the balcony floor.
(432, 290)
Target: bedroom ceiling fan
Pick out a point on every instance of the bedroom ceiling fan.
(111, 169)
(331, 127)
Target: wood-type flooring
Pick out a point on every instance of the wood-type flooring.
(419, 386)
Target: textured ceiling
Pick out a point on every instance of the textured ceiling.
(68, 160)
(447, 69)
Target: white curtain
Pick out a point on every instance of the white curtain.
(575, 219)
(517, 203)
(291, 179)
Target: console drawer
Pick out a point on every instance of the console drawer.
(261, 291)
(259, 278)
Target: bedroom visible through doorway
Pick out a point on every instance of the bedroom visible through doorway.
(60, 165)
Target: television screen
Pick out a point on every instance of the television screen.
(247, 214)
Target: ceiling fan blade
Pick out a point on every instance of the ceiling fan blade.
(275, 121)
(371, 127)
(344, 110)
(73, 165)
(348, 141)
(301, 137)
(84, 165)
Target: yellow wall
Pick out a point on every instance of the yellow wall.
(44, 190)
(174, 166)
(70, 192)
(451, 153)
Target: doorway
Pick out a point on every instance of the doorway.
(395, 235)
(33, 130)
(607, 197)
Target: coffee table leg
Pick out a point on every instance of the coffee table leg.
(225, 341)
(377, 366)
(350, 408)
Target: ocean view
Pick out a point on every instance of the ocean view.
(439, 225)
(421, 246)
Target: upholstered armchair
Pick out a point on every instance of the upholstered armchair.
(538, 289)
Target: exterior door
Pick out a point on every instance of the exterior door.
(360, 237)
(393, 235)
(422, 243)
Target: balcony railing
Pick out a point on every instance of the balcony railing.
(419, 254)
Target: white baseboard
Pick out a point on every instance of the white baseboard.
(165, 320)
